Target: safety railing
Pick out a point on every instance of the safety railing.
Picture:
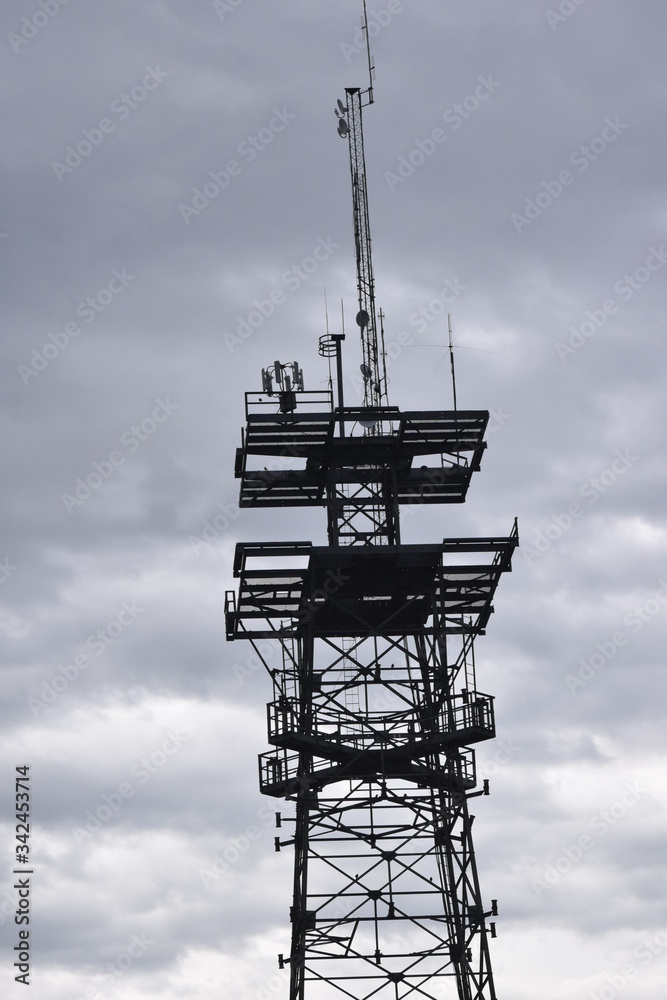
(468, 720)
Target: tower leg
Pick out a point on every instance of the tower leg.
(300, 898)
(463, 901)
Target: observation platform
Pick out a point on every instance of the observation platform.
(342, 736)
(366, 590)
(305, 447)
(278, 772)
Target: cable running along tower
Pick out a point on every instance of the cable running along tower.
(375, 702)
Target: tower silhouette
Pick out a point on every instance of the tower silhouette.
(375, 702)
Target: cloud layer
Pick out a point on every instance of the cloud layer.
(170, 171)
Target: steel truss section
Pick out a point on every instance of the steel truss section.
(370, 729)
(360, 510)
(369, 735)
(394, 909)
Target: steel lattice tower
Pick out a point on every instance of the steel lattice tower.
(375, 704)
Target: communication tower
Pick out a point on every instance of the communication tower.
(375, 703)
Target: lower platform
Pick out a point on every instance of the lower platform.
(279, 772)
(365, 590)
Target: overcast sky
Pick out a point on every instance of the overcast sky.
(516, 165)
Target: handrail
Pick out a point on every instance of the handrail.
(474, 713)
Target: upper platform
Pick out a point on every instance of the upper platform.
(315, 442)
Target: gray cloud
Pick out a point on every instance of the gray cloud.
(562, 418)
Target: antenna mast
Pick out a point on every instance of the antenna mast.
(451, 358)
(350, 126)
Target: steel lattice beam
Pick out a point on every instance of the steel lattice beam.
(371, 739)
